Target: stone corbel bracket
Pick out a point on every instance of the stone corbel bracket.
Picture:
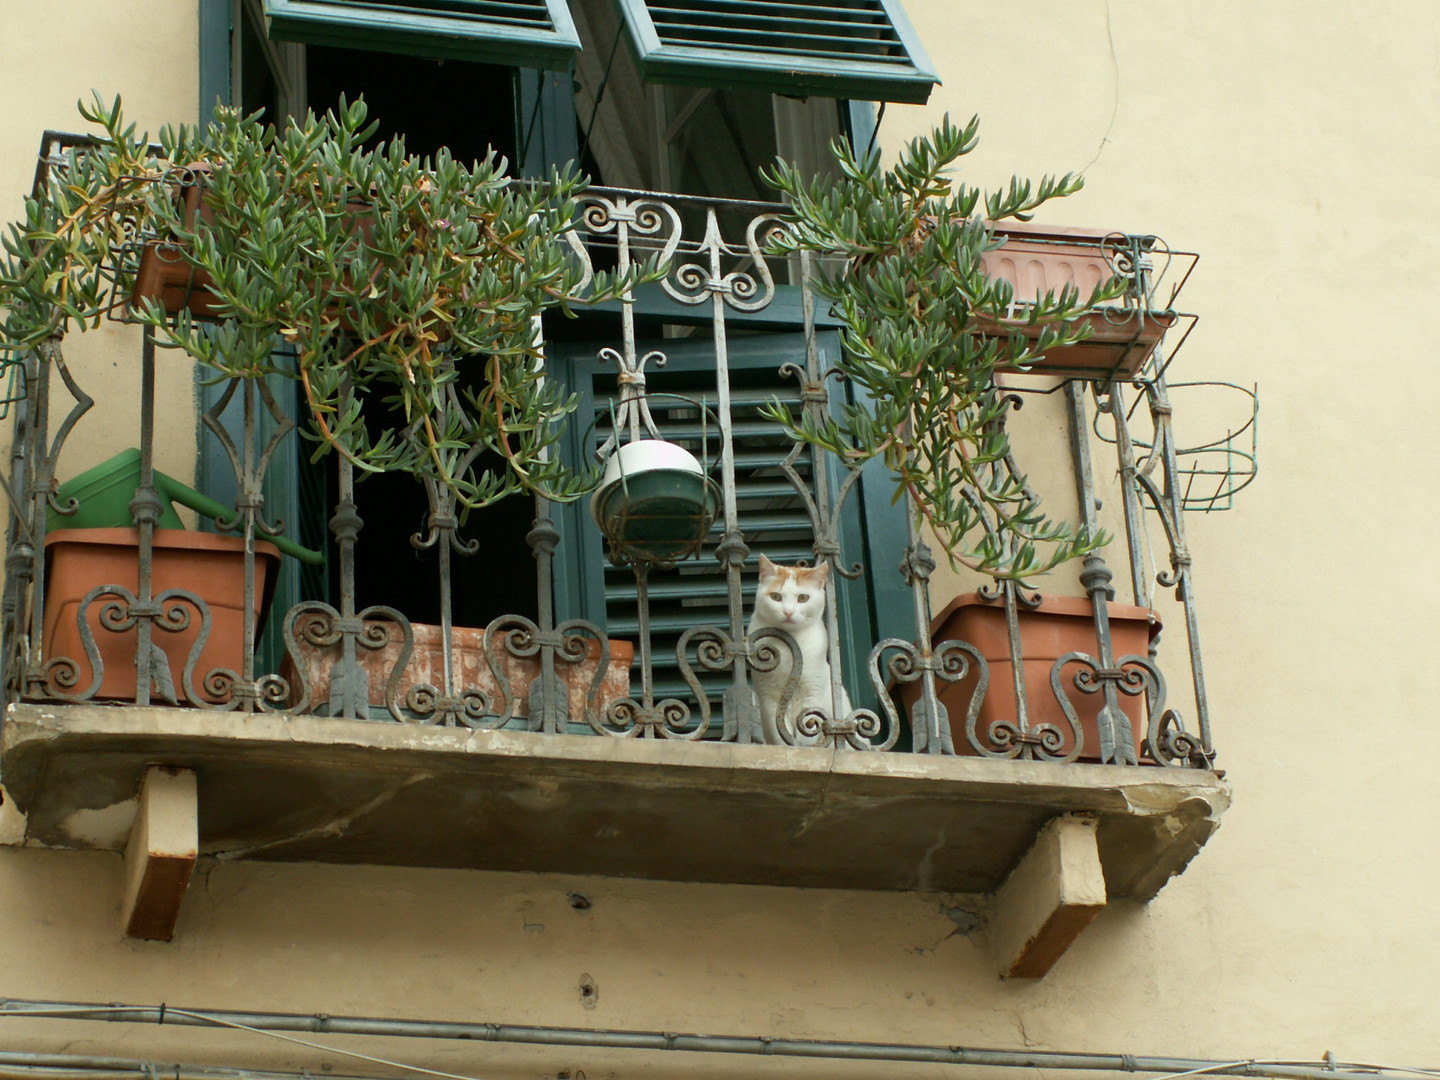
(160, 855)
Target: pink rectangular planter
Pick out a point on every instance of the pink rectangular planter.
(1038, 259)
(471, 671)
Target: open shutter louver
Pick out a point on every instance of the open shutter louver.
(525, 33)
(772, 515)
(862, 49)
(773, 518)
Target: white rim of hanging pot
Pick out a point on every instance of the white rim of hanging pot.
(641, 456)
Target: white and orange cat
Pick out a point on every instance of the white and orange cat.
(792, 599)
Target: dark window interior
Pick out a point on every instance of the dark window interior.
(468, 108)
(258, 88)
(432, 103)
(722, 145)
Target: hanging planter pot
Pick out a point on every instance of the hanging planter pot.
(655, 503)
(1037, 260)
(163, 275)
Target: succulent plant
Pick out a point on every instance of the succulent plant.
(898, 255)
(408, 285)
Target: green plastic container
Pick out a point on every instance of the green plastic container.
(103, 496)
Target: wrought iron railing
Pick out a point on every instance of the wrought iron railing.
(692, 678)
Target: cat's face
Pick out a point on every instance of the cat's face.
(790, 596)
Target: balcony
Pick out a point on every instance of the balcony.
(380, 709)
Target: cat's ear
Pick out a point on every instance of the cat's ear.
(767, 568)
(820, 574)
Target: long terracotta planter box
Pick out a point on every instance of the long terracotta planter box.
(1060, 625)
(471, 671)
(208, 564)
(1039, 259)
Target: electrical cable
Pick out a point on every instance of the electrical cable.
(271, 1023)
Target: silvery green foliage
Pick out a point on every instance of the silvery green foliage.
(405, 284)
(924, 330)
(62, 263)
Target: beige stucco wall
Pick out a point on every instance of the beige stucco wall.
(1285, 143)
(52, 55)
(1292, 147)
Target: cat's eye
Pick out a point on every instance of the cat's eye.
(804, 597)
(776, 596)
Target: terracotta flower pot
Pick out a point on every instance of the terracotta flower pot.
(207, 564)
(1060, 625)
(1038, 259)
(471, 671)
(166, 277)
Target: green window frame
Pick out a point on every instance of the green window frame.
(863, 49)
(517, 33)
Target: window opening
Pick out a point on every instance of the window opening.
(691, 140)
(433, 104)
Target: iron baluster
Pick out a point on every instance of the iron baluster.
(1027, 741)
(549, 699)
(931, 735)
(647, 718)
(742, 290)
(19, 545)
(732, 550)
(145, 508)
(56, 676)
(25, 535)
(445, 707)
(1114, 403)
(843, 726)
(1117, 737)
(1170, 742)
(348, 679)
(249, 501)
(250, 691)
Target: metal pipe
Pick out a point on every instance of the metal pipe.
(710, 1044)
(23, 1065)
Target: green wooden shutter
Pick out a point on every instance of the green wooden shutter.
(517, 33)
(832, 48)
(772, 515)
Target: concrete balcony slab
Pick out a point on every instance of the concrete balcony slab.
(300, 788)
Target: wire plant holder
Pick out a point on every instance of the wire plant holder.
(1209, 474)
